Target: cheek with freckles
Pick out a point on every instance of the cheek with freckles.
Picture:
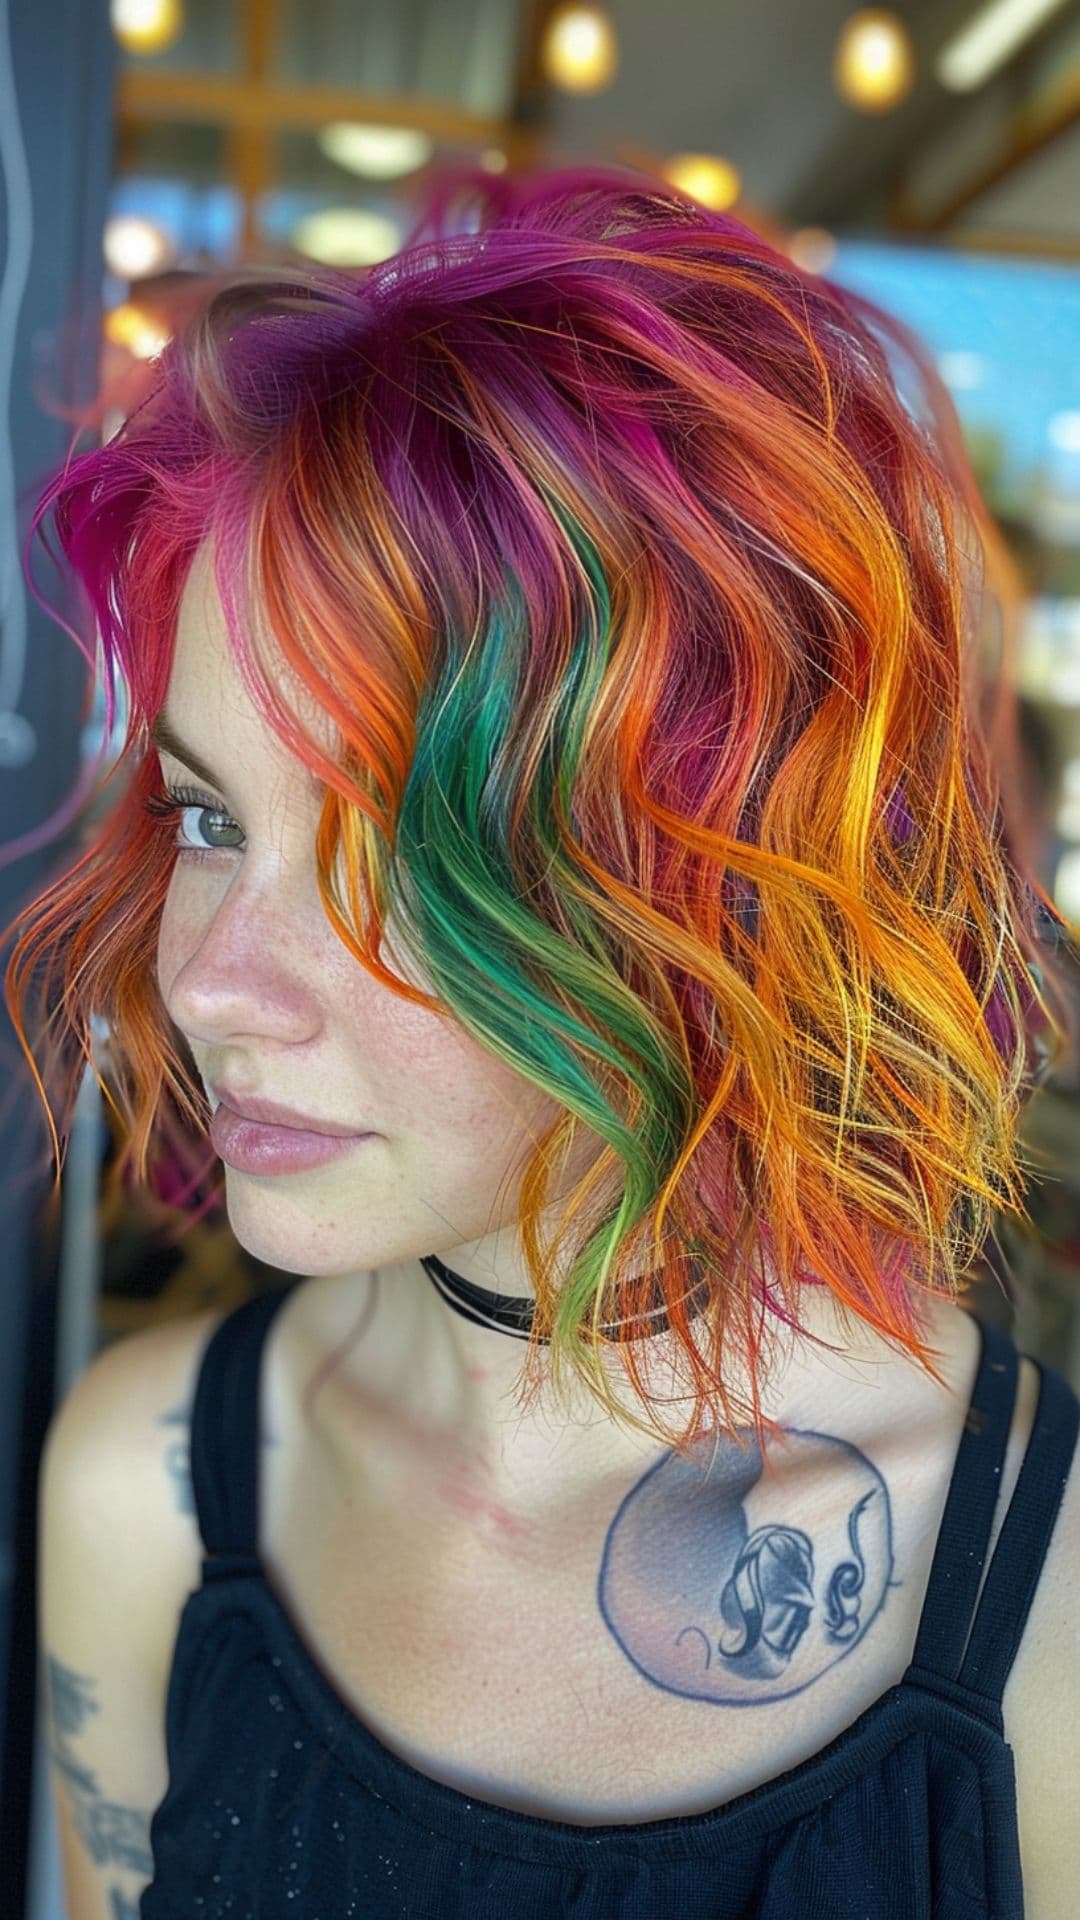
(178, 936)
(230, 976)
(456, 1124)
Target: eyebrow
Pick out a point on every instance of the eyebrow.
(164, 736)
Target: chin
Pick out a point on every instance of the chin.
(285, 1231)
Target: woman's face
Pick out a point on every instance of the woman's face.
(274, 1008)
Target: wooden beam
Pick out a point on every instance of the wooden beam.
(250, 149)
(224, 100)
(1036, 127)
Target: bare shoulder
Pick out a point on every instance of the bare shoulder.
(128, 1415)
(1041, 1702)
(119, 1552)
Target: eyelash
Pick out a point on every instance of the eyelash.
(177, 800)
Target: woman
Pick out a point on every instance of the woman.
(574, 598)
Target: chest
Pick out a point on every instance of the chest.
(652, 1655)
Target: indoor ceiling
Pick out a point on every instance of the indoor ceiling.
(244, 89)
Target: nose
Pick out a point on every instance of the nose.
(238, 968)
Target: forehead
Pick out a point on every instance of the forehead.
(206, 683)
(203, 651)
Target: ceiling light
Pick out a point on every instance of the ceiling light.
(146, 26)
(379, 153)
(988, 39)
(874, 62)
(346, 237)
(135, 247)
(579, 51)
(128, 326)
(812, 248)
(713, 183)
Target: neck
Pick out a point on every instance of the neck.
(514, 1315)
(446, 1388)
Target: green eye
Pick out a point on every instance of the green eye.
(202, 824)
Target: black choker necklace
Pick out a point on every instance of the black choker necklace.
(506, 1313)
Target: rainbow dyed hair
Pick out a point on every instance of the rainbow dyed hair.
(644, 609)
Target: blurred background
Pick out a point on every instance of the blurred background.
(927, 155)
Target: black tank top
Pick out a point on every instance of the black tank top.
(283, 1805)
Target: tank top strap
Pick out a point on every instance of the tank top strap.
(225, 1432)
(969, 1659)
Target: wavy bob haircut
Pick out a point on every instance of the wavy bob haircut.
(646, 615)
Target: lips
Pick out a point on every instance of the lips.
(273, 1113)
(252, 1147)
